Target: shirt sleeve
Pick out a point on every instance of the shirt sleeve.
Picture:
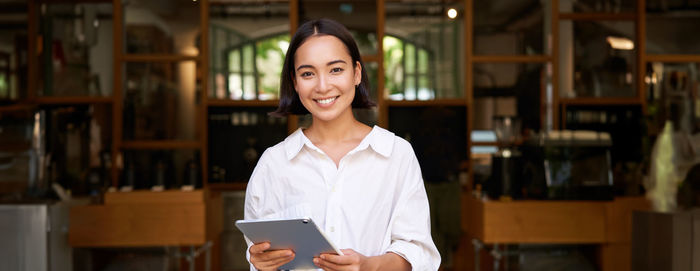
(410, 226)
(254, 197)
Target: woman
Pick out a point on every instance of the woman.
(362, 185)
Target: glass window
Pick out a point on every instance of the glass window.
(252, 40)
(598, 59)
(162, 27)
(508, 89)
(171, 169)
(511, 28)
(75, 50)
(673, 92)
(440, 142)
(360, 17)
(595, 6)
(254, 131)
(423, 50)
(159, 101)
(668, 27)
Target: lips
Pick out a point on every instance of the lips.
(327, 100)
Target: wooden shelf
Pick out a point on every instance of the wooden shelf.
(158, 58)
(600, 101)
(69, 100)
(631, 16)
(228, 186)
(242, 103)
(440, 102)
(16, 108)
(673, 58)
(160, 144)
(147, 196)
(511, 59)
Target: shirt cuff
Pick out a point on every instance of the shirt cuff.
(247, 256)
(409, 252)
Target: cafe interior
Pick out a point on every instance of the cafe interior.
(551, 134)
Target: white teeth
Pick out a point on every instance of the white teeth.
(326, 101)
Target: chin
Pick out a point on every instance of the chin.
(326, 116)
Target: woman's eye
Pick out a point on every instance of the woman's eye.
(336, 70)
(306, 74)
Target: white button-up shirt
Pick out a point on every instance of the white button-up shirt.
(373, 202)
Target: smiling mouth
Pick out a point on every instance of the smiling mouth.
(327, 101)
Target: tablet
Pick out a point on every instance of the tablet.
(301, 235)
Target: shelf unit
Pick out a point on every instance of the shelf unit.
(556, 107)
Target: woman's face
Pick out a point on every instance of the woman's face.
(324, 77)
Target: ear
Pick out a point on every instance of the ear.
(358, 73)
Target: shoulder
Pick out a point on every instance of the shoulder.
(387, 143)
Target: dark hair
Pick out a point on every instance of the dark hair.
(289, 99)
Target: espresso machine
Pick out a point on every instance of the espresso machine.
(505, 162)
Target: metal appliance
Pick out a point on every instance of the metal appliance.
(505, 163)
(34, 237)
(568, 165)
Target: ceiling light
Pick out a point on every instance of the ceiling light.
(452, 13)
(620, 43)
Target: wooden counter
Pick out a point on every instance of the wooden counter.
(149, 219)
(142, 218)
(604, 223)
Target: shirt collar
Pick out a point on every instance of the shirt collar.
(381, 141)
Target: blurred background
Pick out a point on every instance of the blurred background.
(551, 134)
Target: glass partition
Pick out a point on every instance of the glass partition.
(511, 27)
(673, 92)
(360, 17)
(241, 136)
(670, 27)
(247, 43)
(75, 49)
(596, 6)
(509, 89)
(423, 50)
(598, 59)
(160, 101)
(166, 169)
(161, 27)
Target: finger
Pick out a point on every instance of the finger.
(272, 263)
(276, 263)
(329, 266)
(275, 254)
(259, 247)
(337, 259)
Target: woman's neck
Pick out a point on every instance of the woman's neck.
(341, 129)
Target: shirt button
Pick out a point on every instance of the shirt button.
(332, 229)
(333, 189)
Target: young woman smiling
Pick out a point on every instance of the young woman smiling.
(362, 185)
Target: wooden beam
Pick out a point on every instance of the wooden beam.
(511, 58)
(672, 58)
(414, 103)
(598, 16)
(202, 117)
(159, 58)
(117, 38)
(243, 103)
(160, 144)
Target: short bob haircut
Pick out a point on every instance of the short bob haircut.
(289, 99)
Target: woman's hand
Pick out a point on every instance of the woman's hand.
(353, 261)
(269, 260)
(350, 260)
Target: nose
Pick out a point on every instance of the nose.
(323, 84)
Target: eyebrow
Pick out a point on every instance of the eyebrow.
(327, 64)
